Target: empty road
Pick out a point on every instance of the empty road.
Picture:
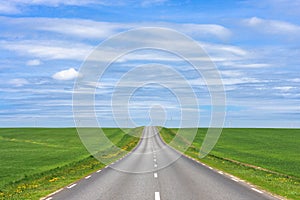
(154, 171)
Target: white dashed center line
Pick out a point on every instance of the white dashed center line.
(155, 165)
(155, 175)
(73, 185)
(157, 196)
(154, 160)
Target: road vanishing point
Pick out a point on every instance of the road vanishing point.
(181, 179)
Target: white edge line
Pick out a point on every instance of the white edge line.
(87, 177)
(157, 196)
(256, 190)
(53, 193)
(48, 197)
(234, 179)
(241, 180)
(73, 185)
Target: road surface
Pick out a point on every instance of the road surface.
(154, 171)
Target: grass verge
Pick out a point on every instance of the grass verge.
(267, 158)
(52, 174)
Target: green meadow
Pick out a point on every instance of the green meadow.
(268, 158)
(37, 161)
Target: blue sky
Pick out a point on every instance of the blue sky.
(254, 44)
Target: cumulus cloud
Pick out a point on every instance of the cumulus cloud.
(65, 75)
(34, 62)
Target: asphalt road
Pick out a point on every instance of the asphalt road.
(154, 171)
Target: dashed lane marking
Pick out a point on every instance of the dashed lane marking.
(155, 175)
(157, 196)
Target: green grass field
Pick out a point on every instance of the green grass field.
(37, 161)
(241, 151)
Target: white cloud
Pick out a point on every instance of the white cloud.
(34, 62)
(18, 82)
(64, 75)
(254, 65)
(280, 7)
(227, 81)
(245, 65)
(272, 26)
(6, 7)
(80, 28)
(52, 2)
(14, 6)
(220, 48)
(49, 49)
(55, 49)
(196, 30)
(231, 73)
(297, 80)
(83, 28)
(73, 50)
(284, 88)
